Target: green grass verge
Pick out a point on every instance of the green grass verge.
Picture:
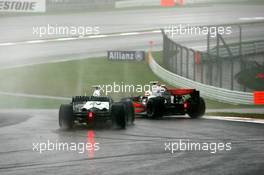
(228, 114)
(213, 104)
(12, 102)
(72, 78)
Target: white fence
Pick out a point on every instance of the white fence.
(224, 95)
(248, 48)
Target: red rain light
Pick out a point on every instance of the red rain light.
(90, 116)
(185, 105)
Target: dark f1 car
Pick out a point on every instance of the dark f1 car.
(90, 109)
(170, 102)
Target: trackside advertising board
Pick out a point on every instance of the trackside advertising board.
(126, 55)
(29, 6)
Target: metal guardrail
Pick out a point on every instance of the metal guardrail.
(224, 95)
(248, 48)
(224, 63)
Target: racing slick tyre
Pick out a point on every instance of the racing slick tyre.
(197, 110)
(66, 119)
(155, 107)
(130, 110)
(118, 113)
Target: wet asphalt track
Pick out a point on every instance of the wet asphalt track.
(17, 29)
(137, 150)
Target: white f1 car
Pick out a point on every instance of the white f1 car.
(90, 109)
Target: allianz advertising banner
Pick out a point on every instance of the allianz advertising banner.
(126, 55)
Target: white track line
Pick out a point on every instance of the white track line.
(35, 41)
(236, 119)
(128, 34)
(7, 44)
(34, 96)
(156, 31)
(97, 36)
(79, 38)
(251, 18)
(66, 39)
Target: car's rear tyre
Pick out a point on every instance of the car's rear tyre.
(130, 110)
(197, 110)
(119, 115)
(66, 119)
(155, 107)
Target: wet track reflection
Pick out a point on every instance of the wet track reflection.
(137, 150)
